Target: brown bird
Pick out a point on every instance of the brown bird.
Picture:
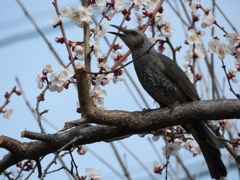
(167, 84)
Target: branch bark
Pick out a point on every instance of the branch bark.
(122, 123)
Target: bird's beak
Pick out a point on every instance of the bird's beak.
(120, 29)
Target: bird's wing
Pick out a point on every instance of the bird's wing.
(176, 74)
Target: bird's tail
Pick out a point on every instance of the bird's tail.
(209, 146)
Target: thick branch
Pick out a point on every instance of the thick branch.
(129, 122)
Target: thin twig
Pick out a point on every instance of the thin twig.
(40, 32)
(223, 14)
(230, 85)
(55, 4)
(106, 163)
(179, 160)
(39, 114)
(126, 173)
(137, 159)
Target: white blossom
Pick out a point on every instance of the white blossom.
(234, 39)
(222, 51)
(195, 149)
(229, 124)
(194, 5)
(48, 68)
(232, 74)
(171, 149)
(119, 6)
(81, 15)
(99, 5)
(64, 13)
(213, 45)
(193, 37)
(39, 81)
(97, 94)
(79, 52)
(7, 114)
(97, 51)
(65, 74)
(167, 29)
(100, 32)
(55, 20)
(208, 20)
(93, 174)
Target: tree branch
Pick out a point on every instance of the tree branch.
(128, 123)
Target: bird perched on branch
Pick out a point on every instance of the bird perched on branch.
(167, 84)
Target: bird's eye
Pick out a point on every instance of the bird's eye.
(134, 33)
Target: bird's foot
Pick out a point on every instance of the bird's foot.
(172, 106)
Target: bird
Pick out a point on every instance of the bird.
(167, 84)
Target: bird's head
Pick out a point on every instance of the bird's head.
(133, 38)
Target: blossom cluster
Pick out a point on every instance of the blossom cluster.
(57, 81)
(232, 48)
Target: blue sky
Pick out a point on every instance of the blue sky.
(23, 52)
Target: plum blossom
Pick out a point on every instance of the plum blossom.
(152, 4)
(58, 80)
(213, 45)
(198, 54)
(81, 15)
(208, 20)
(193, 37)
(156, 168)
(93, 174)
(100, 31)
(56, 83)
(183, 143)
(96, 49)
(227, 124)
(118, 76)
(63, 14)
(220, 48)
(39, 81)
(99, 5)
(194, 6)
(222, 51)
(171, 149)
(232, 74)
(234, 39)
(195, 150)
(65, 74)
(103, 79)
(55, 21)
(119, 6)
(7, 114)
(166, 29)
(79, 52)
(48, 69)
(97, 94)
(139, 4)
(139, 19)
(159, 18)
(117, 54)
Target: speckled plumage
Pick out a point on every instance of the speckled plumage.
(167, 84)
